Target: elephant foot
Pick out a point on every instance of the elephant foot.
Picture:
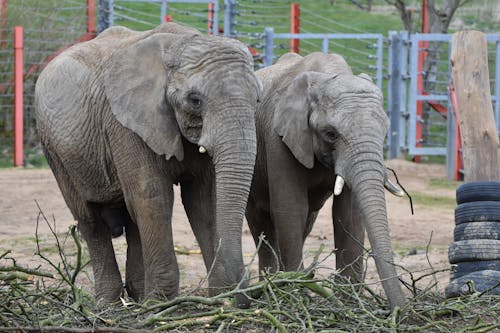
(135, 290)
(242, 301)
(110, 294)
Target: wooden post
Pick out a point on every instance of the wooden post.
(480, 143)
(18, 96)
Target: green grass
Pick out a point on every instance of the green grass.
(444, 183)
(433, 200)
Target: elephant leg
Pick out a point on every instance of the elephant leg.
(134, 276)
(289, 205)
(349, 235)
(108, 282)
(117, 218)
(261, 225)
(148, 194)
(199, 204)
(311, 218)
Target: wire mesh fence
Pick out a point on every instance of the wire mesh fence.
(52, 25)
(49, 26)
(146, 14)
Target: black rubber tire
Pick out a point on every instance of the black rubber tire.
(482, 281)
(477, 230)
(463, 268)
(477, 211)
(474, 249)
(478, 191)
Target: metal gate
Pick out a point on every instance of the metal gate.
(422, 117)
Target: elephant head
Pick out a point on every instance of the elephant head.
(175, 90)
(344, 129)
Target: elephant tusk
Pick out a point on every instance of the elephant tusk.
(339, 185)
(394, 189)
(202, 150)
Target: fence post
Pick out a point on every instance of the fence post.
(268, 46)
(229, 15)
(163, 12)
(215, 17)
(18, 96)
(497, 84)
(210, 26)
(398, 66)
(324, 45)
(105, 14)
(91, 16)
(481, 146)
(393, 94)
(454, 158)
(295, 26)
(3, 23)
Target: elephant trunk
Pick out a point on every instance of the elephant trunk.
(234, 160)
(367, 174)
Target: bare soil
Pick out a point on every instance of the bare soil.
(420, 241)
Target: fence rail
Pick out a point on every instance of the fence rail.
(422, 116)
(269, 36)
(441, 118)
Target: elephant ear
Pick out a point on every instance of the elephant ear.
(291, 118)
(135, 83)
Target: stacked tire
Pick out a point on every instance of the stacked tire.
(475, 251)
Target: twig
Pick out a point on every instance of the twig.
(71, 329)
(25, 270)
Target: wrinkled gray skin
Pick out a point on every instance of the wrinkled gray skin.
(318, 120)
(121, 119)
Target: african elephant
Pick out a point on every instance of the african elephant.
(319, 127)
(124, 117)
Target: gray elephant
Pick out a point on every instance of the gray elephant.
(124, 117)
(320, 130)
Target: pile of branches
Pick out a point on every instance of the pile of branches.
(33, 300)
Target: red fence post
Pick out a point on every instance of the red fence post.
(168, 18)
(18, 96)
(91, 16)
(294, 26)
(210, 17)
(458, 159)
(422, 56)
(3, 23)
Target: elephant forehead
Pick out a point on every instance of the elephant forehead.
(351, 84)
(206, 51)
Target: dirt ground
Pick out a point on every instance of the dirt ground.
(420, 241)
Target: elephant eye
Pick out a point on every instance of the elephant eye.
(194, 100)
(331, 135)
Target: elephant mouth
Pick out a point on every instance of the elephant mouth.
(388, 184)
(193, 133)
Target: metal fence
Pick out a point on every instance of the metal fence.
(146, 14)
(422, 117)
(366, 49)
(417, 97)
(49, 26)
